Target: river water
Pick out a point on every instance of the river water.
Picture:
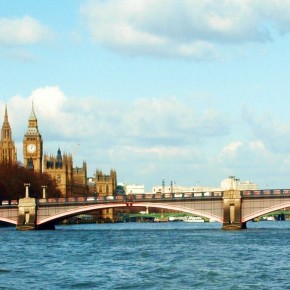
(147, 256)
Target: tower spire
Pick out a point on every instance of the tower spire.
(7, 148)
(32, 114)
(32, 122)
(6, 115)
(6, 129)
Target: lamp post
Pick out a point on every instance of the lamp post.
(43, 191)
(27, 185)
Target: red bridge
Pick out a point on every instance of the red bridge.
(232, 208)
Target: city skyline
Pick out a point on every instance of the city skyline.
(154, 95)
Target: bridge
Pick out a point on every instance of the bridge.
(232, 208)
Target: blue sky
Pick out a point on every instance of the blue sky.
(188, 91)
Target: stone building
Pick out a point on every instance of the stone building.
(70, 181)
(104, 185)
(80, 186)
(8, 153)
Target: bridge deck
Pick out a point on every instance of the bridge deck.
(207, 204)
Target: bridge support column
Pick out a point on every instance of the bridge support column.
(232, 210)
(26, 214)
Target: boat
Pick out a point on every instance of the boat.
(270, 218)
(175, 219)
(193, 219)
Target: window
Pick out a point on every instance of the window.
(58, 179)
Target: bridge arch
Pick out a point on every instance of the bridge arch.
(265, 211)
(9, 221)
(85, 209)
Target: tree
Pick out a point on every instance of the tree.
(14, 176)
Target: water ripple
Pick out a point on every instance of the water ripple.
(147, 256)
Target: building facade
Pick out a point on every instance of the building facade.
(105, 185)
(134, 189)
(70, 181)
(8, 153)
(227, 184)
(235, 183)
(33, 145)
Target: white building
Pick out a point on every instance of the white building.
(134, 189)
(171, 189)
(226, 184)
(182, 189)
(235, 183)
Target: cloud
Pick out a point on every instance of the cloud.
(149, 131)
(187, 29)
(17, 54)
(148, 139)
(273, 132)
(252, 160)
(22, 31)
(171, 121)
(143, 122)
(248, 152)
(232, 148)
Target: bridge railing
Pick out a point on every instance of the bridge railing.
(131, 197)
(156, 196)
(265, 192)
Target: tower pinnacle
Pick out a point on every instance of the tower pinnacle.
(7, 148)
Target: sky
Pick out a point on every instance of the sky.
(182, 90)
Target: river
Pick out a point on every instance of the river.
(147, 256)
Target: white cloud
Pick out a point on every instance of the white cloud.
(232, 148)
(117, 132)
(23, 31)
(174, 28)
(244, 152)
(272, 131)
(252, 160)
(259, 145)
(144, 122)
(145, 140)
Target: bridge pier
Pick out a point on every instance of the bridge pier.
(26, 214)
(232, 210)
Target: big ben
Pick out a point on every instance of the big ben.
(32, 145)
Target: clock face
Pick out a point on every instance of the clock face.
(31, 148)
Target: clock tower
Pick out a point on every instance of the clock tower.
(32, 145)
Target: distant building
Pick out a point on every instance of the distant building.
(8, 154)
(91, 186)
(182, 189)
(70, 181)
(234, 183)
(80, 180)
(172, 189)
(104, 185)
(226, 184)
(134, 189)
